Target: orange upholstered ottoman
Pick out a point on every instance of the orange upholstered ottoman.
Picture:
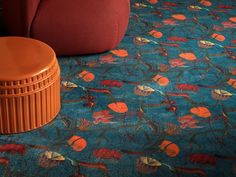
(29, 84)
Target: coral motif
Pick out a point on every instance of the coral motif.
(160, 104)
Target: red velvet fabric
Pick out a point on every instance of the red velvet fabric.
(71, 27)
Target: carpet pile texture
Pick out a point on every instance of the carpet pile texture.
(161, 104)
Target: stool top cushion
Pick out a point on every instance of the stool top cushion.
(23, 58)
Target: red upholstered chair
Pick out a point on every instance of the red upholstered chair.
(70, 27)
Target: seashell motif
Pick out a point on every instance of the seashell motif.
(194, 8)
(68, 86)
(141, 41)
(143, 90)
(139, 5)
(205, 44)
(220, 94)
(147, 165)
(50, 159)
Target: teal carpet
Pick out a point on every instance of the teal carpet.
(161, 104)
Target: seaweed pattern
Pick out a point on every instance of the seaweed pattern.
(161, 104)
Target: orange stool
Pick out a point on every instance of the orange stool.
(29, 84)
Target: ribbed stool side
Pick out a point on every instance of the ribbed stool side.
(30, 111)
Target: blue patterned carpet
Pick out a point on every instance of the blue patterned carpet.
(161, 104)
